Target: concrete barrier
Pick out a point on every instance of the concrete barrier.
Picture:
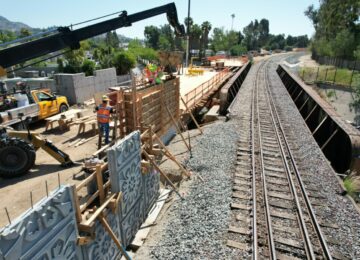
(229, 91)
(339, 141)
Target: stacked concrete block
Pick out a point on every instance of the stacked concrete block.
(65, 86)
(103, 247)
(125, 176)
(48, 231)
(79, 88)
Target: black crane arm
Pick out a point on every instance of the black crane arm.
(67, 38)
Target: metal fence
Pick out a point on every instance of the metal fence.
(195, 95)
(332, 75)
(337, 62)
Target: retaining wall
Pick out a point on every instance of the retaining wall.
(229, 91)
(339, 141)
(50, 230)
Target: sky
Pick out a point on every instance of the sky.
(285, 16)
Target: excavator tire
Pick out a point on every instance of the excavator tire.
(17, 157)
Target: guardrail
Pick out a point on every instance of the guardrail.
(197, 94)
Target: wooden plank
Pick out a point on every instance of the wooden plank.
(240, 206)
(240, 196)
(284, 215)
(237, 245)
(145, 228)
(237, 230)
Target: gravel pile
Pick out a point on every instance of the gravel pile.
(198, 225)
(317, 172)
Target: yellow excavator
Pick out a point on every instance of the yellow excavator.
(17, 148)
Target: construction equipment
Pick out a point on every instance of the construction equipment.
(38, 104)
(18, 150)
(67, 38)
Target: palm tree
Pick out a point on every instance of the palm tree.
(205, 27)
(232, 21)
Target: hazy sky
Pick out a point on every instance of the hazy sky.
(285, 16)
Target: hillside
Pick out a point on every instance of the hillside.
(5, 24)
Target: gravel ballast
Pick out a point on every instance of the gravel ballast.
(197, 224)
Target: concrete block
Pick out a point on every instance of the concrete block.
(103, 247)
(125, 170)
(48, 231)
(212, 114)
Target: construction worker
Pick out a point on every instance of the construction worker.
(103, 117)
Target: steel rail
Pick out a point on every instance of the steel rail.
(263, 176)
(253, 173)
(314, 221)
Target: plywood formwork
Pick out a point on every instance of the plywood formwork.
(148, 106)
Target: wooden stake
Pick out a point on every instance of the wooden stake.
(171, 157)
(192, 116)
(162, 173)
(7, 214)
(107, 227)
(77, 204)
(133, 92)
(177, 127)
(100, 183)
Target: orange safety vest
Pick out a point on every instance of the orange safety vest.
(103, 114)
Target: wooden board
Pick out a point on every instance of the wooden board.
(145, 228)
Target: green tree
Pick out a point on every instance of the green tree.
(337, 27)
(206, 28)
(123, 61)
(152, 35)
(24, 32)
(88, 67)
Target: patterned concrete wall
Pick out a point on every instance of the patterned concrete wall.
(103, 247)
(125, 176)
(139, 190)
(48, 231)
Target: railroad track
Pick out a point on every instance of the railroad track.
(272, 214)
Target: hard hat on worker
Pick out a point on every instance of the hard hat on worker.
(105, 98)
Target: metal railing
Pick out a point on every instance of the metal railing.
(197, 94)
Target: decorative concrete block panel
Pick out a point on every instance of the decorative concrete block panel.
(125, 170)
(131, 223)
(151, 184)
(103, 247)
(48, 231)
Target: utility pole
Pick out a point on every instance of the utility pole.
(188, 36)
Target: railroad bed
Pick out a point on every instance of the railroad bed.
(285, 201)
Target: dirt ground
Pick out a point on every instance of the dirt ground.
(15, 192)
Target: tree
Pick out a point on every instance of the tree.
(123, 61)
(24, 32)
(88, 67)
(336, 24)
(152, 35)
(206, 28)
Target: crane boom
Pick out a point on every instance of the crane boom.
(67, 38)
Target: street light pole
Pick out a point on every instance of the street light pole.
(188, 36)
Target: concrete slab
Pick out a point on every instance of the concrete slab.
(212, 114)
(125, 170)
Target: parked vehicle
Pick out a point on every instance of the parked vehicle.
(37, 104)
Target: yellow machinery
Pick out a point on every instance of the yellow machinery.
(18, 151)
